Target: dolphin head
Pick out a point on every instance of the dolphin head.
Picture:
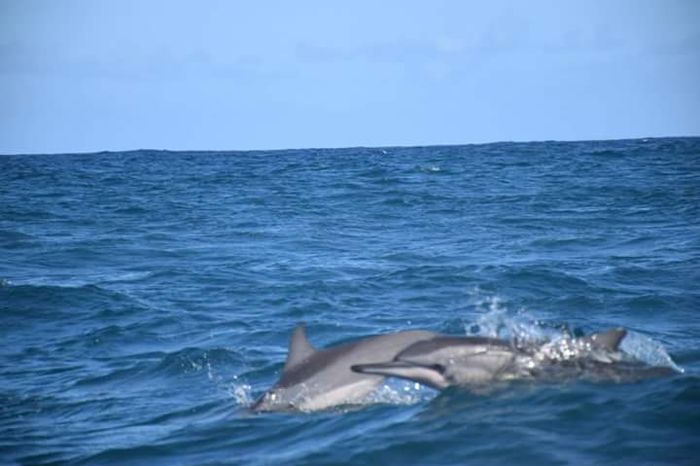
(278, 399)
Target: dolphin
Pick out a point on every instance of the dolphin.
(445, 361)
(314, 379)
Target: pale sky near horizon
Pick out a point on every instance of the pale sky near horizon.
(92, 75)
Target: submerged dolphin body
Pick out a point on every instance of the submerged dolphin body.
(445, 361)
(317, 379)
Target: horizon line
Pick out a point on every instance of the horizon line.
(399, 146)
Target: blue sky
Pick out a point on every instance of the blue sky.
(90, 75)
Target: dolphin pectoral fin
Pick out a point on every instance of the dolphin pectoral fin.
(379, 368)
(431, 376)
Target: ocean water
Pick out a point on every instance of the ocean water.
(147, 297)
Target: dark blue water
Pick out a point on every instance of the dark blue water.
(146, 298)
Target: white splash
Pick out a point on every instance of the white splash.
(396, 392)
(496, 321)
(242, 393)
(647, 350)
(557, 343)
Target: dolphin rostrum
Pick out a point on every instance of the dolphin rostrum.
(444, 361)
(315, 379)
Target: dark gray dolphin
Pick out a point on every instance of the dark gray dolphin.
(444, 361)
(317, 379)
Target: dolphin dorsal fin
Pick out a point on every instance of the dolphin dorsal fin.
(609, 340)
(299, 347)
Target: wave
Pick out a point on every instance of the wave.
(51, 301)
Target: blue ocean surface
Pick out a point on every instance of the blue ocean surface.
(147, 298)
